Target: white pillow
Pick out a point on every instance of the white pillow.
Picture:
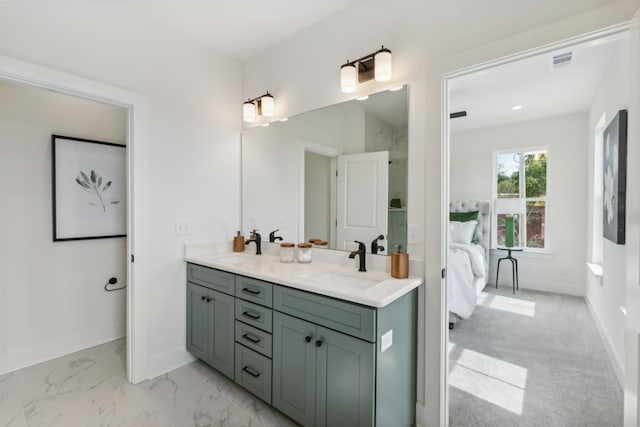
(462, 232)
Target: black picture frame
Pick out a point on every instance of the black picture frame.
(615, 179)
(88, 189)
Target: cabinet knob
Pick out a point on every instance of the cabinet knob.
(318, 343)
(308, 338)
(202, 298)
(208, 299)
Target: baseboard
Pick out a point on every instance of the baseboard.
(162, 363)
(614, 358)
(555, 287)
(18, 358)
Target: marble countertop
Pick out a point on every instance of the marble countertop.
(372, 288)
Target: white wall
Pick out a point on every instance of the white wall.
(427, 40)
(52, 300)
(194, 158)
(606, 295)
(566, 138)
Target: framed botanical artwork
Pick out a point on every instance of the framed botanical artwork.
(89, 189)
(615, 178)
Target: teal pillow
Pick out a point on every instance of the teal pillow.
(464, 217)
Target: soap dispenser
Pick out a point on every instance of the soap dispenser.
(238, 243)
(399, 263)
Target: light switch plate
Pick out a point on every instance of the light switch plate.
(386, 340)
(413, 234)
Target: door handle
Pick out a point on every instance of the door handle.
(254, 339)
(251, 372)
(252, 314)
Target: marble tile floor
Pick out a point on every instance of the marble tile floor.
(89, 388)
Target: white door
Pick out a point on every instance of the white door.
(632, 329)
(363, 188)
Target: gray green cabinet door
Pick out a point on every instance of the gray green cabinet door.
(294, 367)
(221, 332)
(197, 321)
(345, 384)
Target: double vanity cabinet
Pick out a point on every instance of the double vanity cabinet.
(321, 360)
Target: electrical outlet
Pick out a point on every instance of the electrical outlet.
(182, 227)
(386, 340)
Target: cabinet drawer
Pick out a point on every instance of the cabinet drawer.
(253, 372)
(254, 290)
(356, 320)
(254, 314)
(253, 338)
(211, 278)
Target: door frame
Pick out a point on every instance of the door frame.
(445, 165)
(137, 180)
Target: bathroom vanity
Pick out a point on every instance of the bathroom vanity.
(323, 343)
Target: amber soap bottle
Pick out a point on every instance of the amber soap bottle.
(399, 264)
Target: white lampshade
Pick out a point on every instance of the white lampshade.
(509, 206)
(267, 105)
(249, 112)
(382, 64)
(348, 77)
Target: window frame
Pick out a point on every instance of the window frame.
(522, 191)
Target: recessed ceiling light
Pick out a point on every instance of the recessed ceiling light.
(284, 119)
(363, 98)
(396, 88)
(516, 107)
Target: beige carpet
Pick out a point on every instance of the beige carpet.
(533, 359)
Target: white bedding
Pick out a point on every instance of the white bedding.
(466, 267)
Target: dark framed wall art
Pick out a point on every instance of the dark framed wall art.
(615, 178)
(89, 189)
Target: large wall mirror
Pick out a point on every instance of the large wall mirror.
(337, 174)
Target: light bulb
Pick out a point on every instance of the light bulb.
(382, 64)
(249, 112)
(348, 78)
(267, 105)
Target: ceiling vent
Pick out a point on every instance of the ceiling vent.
(562, 60)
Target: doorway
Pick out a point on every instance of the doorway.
(458, 191)
(20, 72)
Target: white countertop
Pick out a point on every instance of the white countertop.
(371, 288)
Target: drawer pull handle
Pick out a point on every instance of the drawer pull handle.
(251, 314)
(251, 372)
(308, 338)
(318, 343)
(254, 339)
(251, 291)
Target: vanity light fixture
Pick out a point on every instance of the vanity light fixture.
(376, 65)
(262, 105)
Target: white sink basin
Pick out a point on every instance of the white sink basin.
(337, 278)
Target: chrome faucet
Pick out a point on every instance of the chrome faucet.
(272, 236)
(375, 247)
(257, 239)
(362, 255)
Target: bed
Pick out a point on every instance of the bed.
(468, 256)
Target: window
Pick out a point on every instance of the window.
(528, 204)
